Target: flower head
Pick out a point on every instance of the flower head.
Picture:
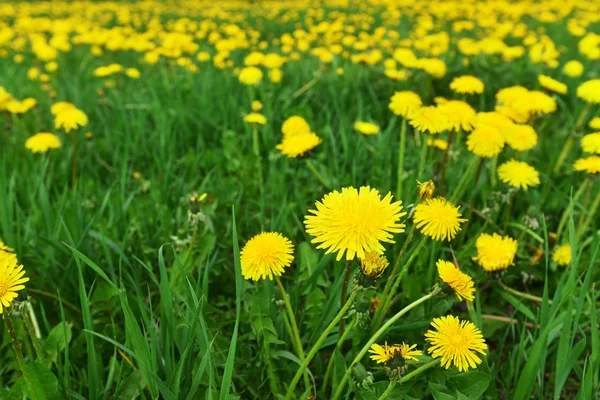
(590, 164)
(256, 106)
(70, 118)
(429, 119)
(133, 73)
(255, 118)
(11, 278)
(373, 264)
(518, 174)
(265, 255)
(573, 68)
(552, 84)
(296, 145)
(486, 141)
(425, 190)
(562, 255)
(60, 106)
(467, 84)
(354, 222)
(461, 283)
(495, 252)
(295, 125)
(591, 143)
(594, 123)
(42, 142)
(589, 91)
(404, 103)
(456, 342)
(438, 144)
(438, 218)
(385, 353)
(521, 137)
(460, 115)
(366, 128)
(250, 76)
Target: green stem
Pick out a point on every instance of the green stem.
(527, 296)
(32, 335)
(337, 348)
(445, 164)
(389, 390)
(462, 184)
(590, 217)
(74, 160)
(19, 354)
(294, 325)
(423, 158)
(508, 210)
(570, 140)
(376, 336)
(344, 294)
(316, 173)
(317, 345)
(190, 248)
(565, 215)
(420, 370)
(402, 145)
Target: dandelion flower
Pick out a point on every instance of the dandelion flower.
(438, 218)
(425, 190)
(518, 174)
(70, 118)
(354, 222)
(275, 75)
(591, 143)
(11, 279)
(255, 118)
(467, 84)
(594, 123)
(552, 84)
(133, 73)
(297, 145)
(265, 255)
(438, 143)
(404, 103)
(573, 68)
(590, 91)
(456, 342)
(461, 283)
(495, 252)
(460, 115)
(385, 353)
(429, 119)
(60, 106)
(373, 264)
(486, 141)
(562, 255)
(295, 125)
(521, 137)
(256, 106)
(250, 76)
(539, 103)
(591, 164)
(366, 128)
(42, 142)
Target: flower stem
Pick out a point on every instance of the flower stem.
(376, 336)
(401, 147)
(445, 164)
(338, 346)
(389, 390)
(522, 295)
(74, 160)
(570, 140)
(190, 248)
(316, 173)
(590, 217)
(317, 345)
(565, 215)
(423, 158)
(17, 347)
(32, 335)
(294, 325)
(420, 370)
(344, 295)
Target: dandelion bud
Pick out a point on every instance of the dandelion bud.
(372, 266)
(425, 190)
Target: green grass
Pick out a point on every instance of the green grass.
(132, 301)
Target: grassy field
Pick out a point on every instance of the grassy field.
(167, 150)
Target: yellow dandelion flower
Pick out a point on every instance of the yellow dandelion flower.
(430, 119)
(456, 342)
(552, 84)
(373, 264)
(486, 141)
(255, 118)
(256, 106)
(250, 76)
(589, 91)
(42, 142)
(591, 164)
(562, 255)
(461, 283)
(70, 118)
(404, 103)
(521, 137)
(60, 106)
(438, 218)
(133, 73)
(460, 115)
(495, 252)
(518, 174)
(366, 128)
(297, 145)
(594, 123)
(425, 190)
(438, 143)
(591, 143)
(540, 103)
(265, 255)
(573, 68)
(20, 107)
(385, 353)
(354, 222)
(11, 279)
(275, 75)
(467, 84)
(295, 125)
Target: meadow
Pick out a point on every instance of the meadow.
(382, 199)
